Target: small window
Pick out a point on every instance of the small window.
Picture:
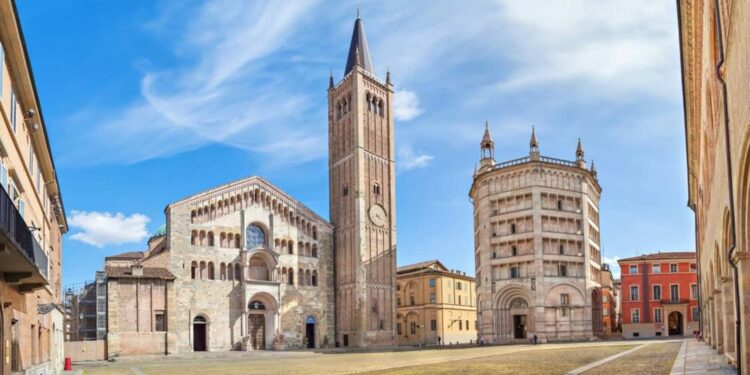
(657, 292)
(694, 291)
(433, 298)
(398, 328)
(559, 205)
(656, 268)
(514, 273)
(633, 270)
(636, 334)
(458, 285)
(345, 190)
(634, 293)
(433, 325)
(382, 324)
(562, 270)
(564, 299)
(412, 300)
(696, 314)
(514, 250)
(432, 283)
(460, 325)
(635, 316)
(513, 228)
(561, 250)
(413, 328)
(673, 268)
(159, 321)
(376, 188)
(657, 315)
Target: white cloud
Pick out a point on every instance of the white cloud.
(408, 159)
(103, 228)
(613, 265)
(406, 105)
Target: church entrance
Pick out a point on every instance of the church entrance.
(256, 327)
(199, 334)
(310, 332)
(519, 326)
(675, 324)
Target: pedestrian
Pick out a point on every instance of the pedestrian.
(438, 340)
(535, 339)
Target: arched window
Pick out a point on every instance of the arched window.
(345, 190)
(230, 272)
(314, 278)
(203, 270)
(211, 275)
(237, 273)
(255, 236)
(314, 250)
(376, 188)
(202, 238)
(256, 305)
(193, 270)
(291, 276)
(210, 238)
(193, 237)
(222, 271)
(369, 104)
(301, 277)
(291, 247)
(380, 108)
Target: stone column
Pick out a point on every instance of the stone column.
(742, 259)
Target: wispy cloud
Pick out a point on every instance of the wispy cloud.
(406, 105)
(613, 265)
(104, 229)
(221, 92)
(409, 159)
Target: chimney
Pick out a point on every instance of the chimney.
(136, 270)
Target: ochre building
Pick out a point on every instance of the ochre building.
(661, 295)
(715, 51)
(435, 305)
(609, 301)
(537, 247)
(245, 266)
(32, 218)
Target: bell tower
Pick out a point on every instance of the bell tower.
(362, 199)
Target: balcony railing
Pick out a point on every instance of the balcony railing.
(18, 233)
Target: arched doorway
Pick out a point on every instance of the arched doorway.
(597, 317)
(199, 334)
(256, 324)
(310, 332)
(675, 324)
(519, 310)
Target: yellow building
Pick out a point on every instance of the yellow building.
(32, 218)
(435, 305)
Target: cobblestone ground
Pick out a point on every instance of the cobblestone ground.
(513, 359)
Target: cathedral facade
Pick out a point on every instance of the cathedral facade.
(537, 247)
(245, 266)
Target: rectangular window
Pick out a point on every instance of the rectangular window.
(4, 177)
(433, 325)
(458, 285)
(413, 328)
(634, 293)
(433, 298)
(635, 315)
(411, 300)
(160, 324)
(432, 283)
(398, 301)
(657, 292)
(398, 328)
(13, 110)
(696, 314)
(562, 270)
(633, 270)
(674, 292)
(673, 268)
(657, 315)
(564, 299)
(514, 274)
(694, 291)
(460, 325)
(655, 268)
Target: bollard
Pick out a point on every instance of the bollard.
(68, 364)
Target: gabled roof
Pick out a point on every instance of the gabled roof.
(359, 54)
(662, 256)
(422, 265)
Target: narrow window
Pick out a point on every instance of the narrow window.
(562, 249)
(398, 328)
(514, 250)
(159, 321)
(562, 270)
(634, 293)
(433, 325)
(513, 228)
(345, 190)
(564, 299)
(559, 205)
(673, 268)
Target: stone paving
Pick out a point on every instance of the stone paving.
(697, 357)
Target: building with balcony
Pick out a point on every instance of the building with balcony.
(537, 246)
(32, 218)
(660, 295)
(435, 305)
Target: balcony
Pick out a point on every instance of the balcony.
(22, 260)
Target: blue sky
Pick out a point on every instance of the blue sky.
(148, 102)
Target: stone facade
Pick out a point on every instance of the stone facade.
(435, 305)
(362, 200)
(537, 252)
(716, 69)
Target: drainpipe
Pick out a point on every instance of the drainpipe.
(730, 178)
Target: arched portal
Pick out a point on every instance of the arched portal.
(199, 334)
(262, 316)
(675, 324)
(513, 318)
(597, 317)
(310, 331)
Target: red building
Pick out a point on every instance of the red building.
(659, 295)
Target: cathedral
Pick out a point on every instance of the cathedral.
(245, 266)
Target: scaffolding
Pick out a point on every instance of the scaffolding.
(86, 310)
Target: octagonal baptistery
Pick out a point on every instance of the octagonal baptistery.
(536, 246)
(253, 270)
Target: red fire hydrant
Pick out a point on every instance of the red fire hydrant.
(68, 364)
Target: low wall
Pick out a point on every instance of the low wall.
(136, 343)
(647, 330)
(81, 351)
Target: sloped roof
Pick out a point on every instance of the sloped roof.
(130, 255)
(421, 265)
(359, 54)
(662, 256)
(148, 273)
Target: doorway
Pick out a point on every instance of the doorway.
(675, 324)
(199, 334)
(519, 326)
(257, 329)
(310, 334)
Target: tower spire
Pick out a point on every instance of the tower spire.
(593, 168)
(488, 149)
(579, 155)
(330, 80)
(533, 145)
(358, 46)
